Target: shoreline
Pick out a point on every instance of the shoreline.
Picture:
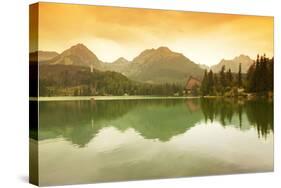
(111, 98)
(104, 98)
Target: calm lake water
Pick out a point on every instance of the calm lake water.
(87, 141)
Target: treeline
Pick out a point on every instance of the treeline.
(62, 80)
(218, 84)
(258, 79)
(260, 75)
(119, 89)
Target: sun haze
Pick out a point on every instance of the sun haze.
(113, 32)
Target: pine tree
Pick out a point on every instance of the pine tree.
(223, 78)
(250, 78)
(204, 85)
(229, 78)
(210, 82)
(264, 74)
(270, 74)
(239, 79)
(216, 83)
(258, 75)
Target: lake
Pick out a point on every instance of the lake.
(97, 141)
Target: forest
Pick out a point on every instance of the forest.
(258, 80)
(68, 80)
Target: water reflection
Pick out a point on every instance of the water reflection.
(80, 121)
(259, 114)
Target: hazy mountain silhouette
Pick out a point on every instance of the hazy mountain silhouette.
(77, 55)
(233, 64)
(42, 55)
(159, 65)
(162, 65)
(120, 65)
(203, 66)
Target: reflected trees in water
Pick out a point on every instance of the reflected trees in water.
(80, 121)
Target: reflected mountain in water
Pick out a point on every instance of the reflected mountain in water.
(80, 121)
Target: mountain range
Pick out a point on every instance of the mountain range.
(160, 65)
(120, 65)
(233, 64)
(78, 55)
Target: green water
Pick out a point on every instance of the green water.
(97, 141)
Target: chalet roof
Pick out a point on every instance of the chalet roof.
(192, 82)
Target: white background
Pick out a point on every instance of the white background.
(14, 91)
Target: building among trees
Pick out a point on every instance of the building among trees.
(192, 85)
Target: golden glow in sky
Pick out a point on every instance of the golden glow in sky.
(112, 32)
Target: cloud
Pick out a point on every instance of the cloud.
(130, 30)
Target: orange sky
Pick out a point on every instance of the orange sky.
(113, 32)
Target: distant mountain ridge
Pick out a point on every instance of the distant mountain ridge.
(77, 55)
(160, 65)
(233, 64)
(42, 55)
(203, 66)
(119, 65)
(121, 60)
